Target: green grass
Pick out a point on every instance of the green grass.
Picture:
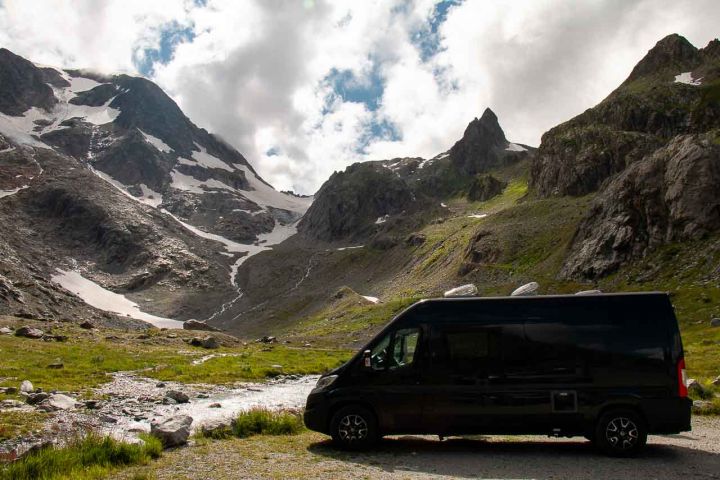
(90, 457)
(260, 421)
(255, 362)
(16, 423)
(89, 359)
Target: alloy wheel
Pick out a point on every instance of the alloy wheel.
(622, 433)
(352, 428)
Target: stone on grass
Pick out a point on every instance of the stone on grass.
(694, 386)
(10, 390)
(715, 322)
(56, 364)
(205, 342)
(5, 331)
(87, 325)
(216, 427)
(193, 324)
(173, 431)
(29, 332)
(26, 386)
(178, 396)
(35, 398)
(716, 382)
(58, 401)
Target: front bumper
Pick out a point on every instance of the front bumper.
(317, 412)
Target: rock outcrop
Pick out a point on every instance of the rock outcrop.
(484, 187)
(671, 195)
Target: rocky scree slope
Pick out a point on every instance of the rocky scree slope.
(103, 175)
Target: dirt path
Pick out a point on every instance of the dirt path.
(687, 456)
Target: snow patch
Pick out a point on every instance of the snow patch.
(266, 196)
(382, 219)
(98, 297)
(81, 84)
(443, 205)
(478, 215)
(156, 142)
(206, 160)
(371, 299)
(687, 79)
(349, 248)
(514, 147)
(180, 181)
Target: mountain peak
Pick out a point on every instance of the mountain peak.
(673, 52)
(487, 129)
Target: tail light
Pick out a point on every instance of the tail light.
(682, 379)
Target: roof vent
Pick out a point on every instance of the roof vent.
(468, 290)
(527, 290)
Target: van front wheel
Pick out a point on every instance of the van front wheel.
(620, 433)
(354, 427)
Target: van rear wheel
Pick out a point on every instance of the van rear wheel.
(620, 433)
(354, 428)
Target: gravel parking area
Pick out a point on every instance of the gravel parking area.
(691, 455)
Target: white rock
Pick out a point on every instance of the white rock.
(462, 291)
(58, 401)
(26, 386)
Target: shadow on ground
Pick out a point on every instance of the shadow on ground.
(525, 459)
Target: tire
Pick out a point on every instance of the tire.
(620, 433)
(354, 428)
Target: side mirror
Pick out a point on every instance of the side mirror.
(366, 359)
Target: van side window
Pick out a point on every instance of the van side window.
(469, 350)
(404, 347)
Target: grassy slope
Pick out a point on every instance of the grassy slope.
(532, 236)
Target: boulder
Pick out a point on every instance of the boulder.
(9, 390)
(56, 364)
(35, 398)
(205, 342)
(266, 339)
(29, 332)
(26, 386)
(715, 322)
(415, 239)
(173, 431)
(216, 428)
(695, 386)
(87, 325)
(178, 396)
(193, 324)
(716, 382)
(215, 405)
(58, 401)
(5, 331)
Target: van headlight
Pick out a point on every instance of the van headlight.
(324, 382)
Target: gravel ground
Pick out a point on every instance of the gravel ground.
(690, 455)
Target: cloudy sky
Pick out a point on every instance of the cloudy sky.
(306, 87)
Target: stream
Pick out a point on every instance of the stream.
(131, 402)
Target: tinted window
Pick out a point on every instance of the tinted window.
(404, 347)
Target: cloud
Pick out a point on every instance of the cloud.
(306, 88)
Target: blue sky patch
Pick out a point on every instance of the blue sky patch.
(427, 39)
(352, 89)
(171, 35)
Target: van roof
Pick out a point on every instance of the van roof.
(540, 297)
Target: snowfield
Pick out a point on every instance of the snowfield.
(103, 299)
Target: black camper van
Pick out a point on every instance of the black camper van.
(608, 367)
